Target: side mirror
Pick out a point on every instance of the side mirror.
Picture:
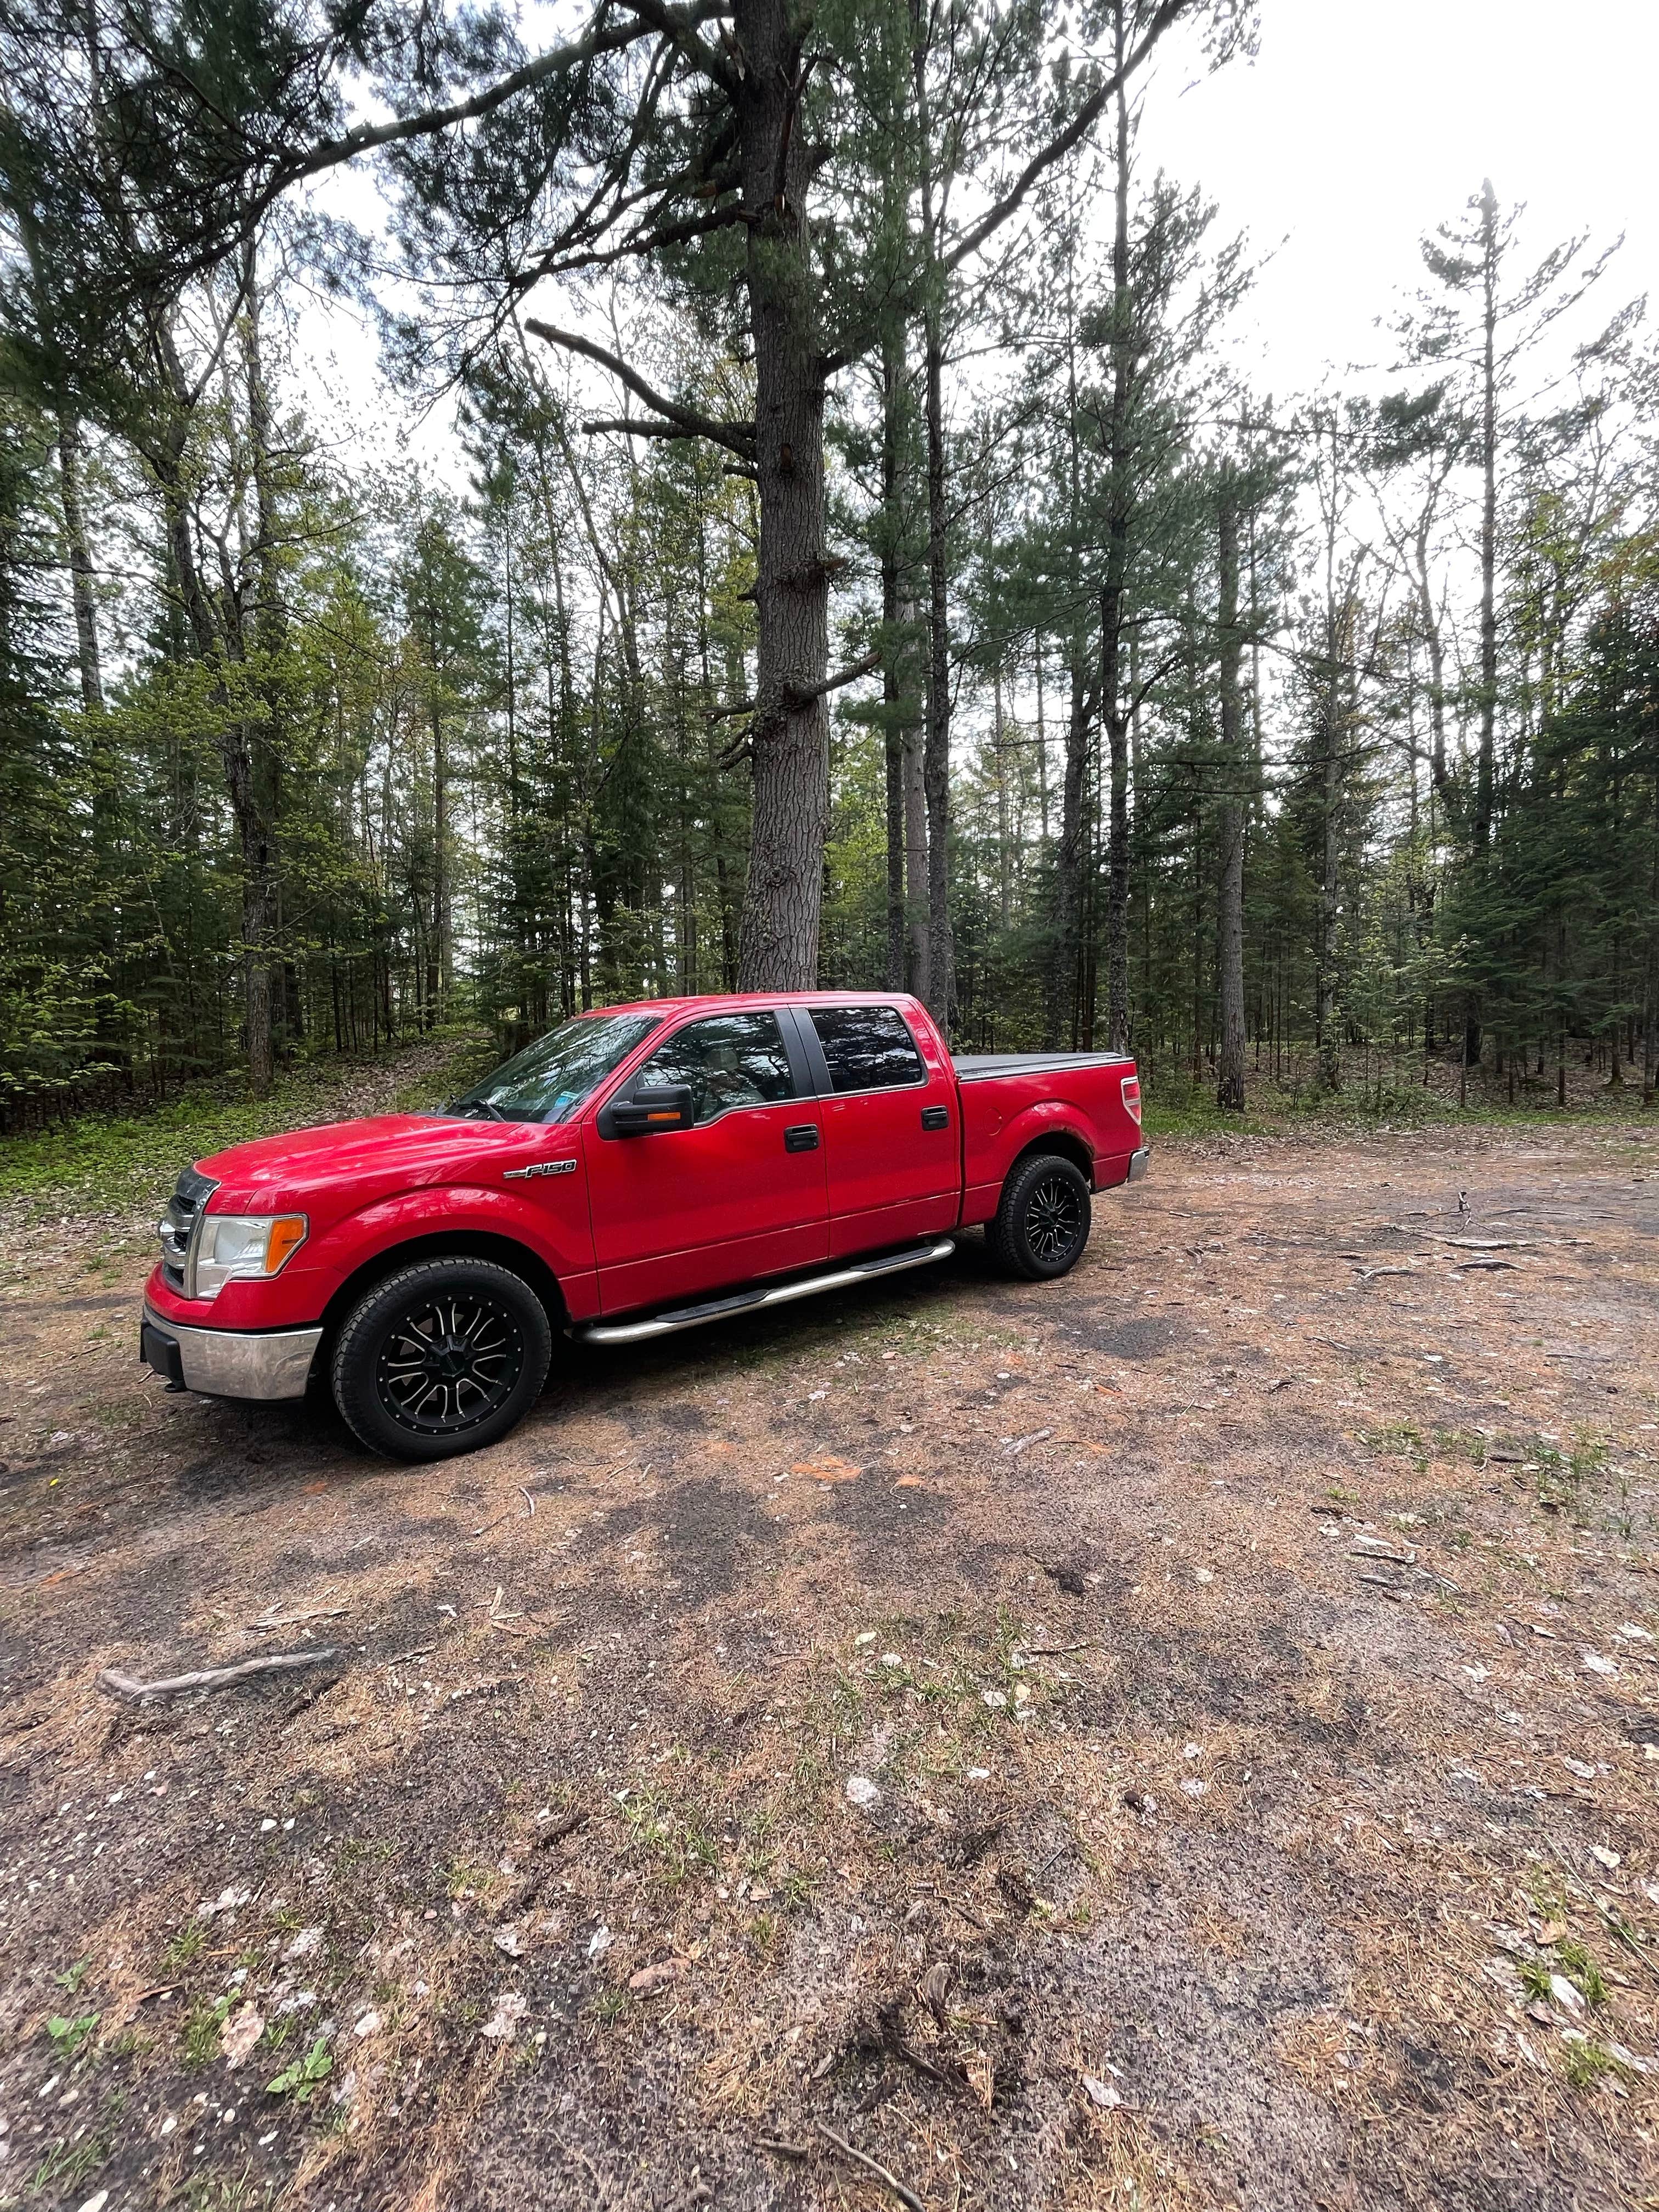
(654, 1109)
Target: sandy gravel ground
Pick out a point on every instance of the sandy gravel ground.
(1185, 1736)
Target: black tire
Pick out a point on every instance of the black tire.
(1041, 1222)
(442, 1358)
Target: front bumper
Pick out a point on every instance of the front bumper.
(229, 1363)
(1137, 1164)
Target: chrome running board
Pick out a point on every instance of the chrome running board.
(782, 1294)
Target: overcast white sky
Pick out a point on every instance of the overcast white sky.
(1360, 127)
(1357, 128)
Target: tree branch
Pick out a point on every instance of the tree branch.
(628, 426)
(1059, 146)
(676, 22)
(795, 698)
(680, 24)
(738, 438)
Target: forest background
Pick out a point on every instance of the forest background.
(860, 555)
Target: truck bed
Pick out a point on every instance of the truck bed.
(974, 1067)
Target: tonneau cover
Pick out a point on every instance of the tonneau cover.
(974, 1067)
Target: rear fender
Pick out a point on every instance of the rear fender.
(1052, 1125)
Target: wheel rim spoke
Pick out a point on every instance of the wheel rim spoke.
(1054, 1221)
(446, 1364)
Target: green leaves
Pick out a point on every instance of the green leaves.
(69, 2035)
(304, 2075)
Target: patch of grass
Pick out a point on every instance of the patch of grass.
(1397, 1440)
(201, 2031)
(681, 1840)
(185, 1948)
(609, 2003)
(118, 1161)
(71, 2163)
(1582, 1970)
(1589, 2063)
(73, 1976)
(1536, 1979)
(221, 2192)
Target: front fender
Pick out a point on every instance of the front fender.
(561, 1237)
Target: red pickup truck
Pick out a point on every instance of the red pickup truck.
(639, 1169)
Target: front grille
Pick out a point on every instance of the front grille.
(178, 1226)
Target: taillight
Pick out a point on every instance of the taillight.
(1132, 1098)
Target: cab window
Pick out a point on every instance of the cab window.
(868, 1047)
(728, 1061)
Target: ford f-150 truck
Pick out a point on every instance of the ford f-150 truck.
(640, 1169)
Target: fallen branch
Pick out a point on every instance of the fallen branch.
(907, 2198)
(779, 2149)
(213, 1678)
(1388, 1589)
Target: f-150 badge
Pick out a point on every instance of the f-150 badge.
(539, 1167)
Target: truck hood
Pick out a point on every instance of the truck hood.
(361, 1160)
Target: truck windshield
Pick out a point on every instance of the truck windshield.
(548, 1079)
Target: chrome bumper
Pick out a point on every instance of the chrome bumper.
(1137, 1164)
(228, 1362)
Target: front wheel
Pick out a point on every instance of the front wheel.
(442, 1358)
(1041, 1222)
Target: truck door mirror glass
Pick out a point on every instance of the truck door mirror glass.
(653, 1109)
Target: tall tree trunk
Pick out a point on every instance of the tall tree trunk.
(1481, 826)
(895, 654)
(1115, 716)
(74, 538)
(1230, 1089)
(936, 755)
(915, 844)
(216, 635)
(1004, 844)
(1061, 1010)
(789, 730)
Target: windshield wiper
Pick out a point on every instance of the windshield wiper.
(480, 1108)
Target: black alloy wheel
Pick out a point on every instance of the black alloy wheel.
(441, 1357)
(1053, 1218)
(446, 1364)
(1042, 1223)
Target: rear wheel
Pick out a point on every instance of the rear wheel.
(1041, 1222)
(441, 1357)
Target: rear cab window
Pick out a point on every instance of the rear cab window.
(868, 1048)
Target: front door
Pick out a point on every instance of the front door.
(891, 1139)
(740, 1193)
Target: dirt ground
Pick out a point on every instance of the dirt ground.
(1183, 1737)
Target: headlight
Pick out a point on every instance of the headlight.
(233, 1246)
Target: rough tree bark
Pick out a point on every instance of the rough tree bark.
(789, 732)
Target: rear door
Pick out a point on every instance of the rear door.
(892, 1148)
(742, 1193)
